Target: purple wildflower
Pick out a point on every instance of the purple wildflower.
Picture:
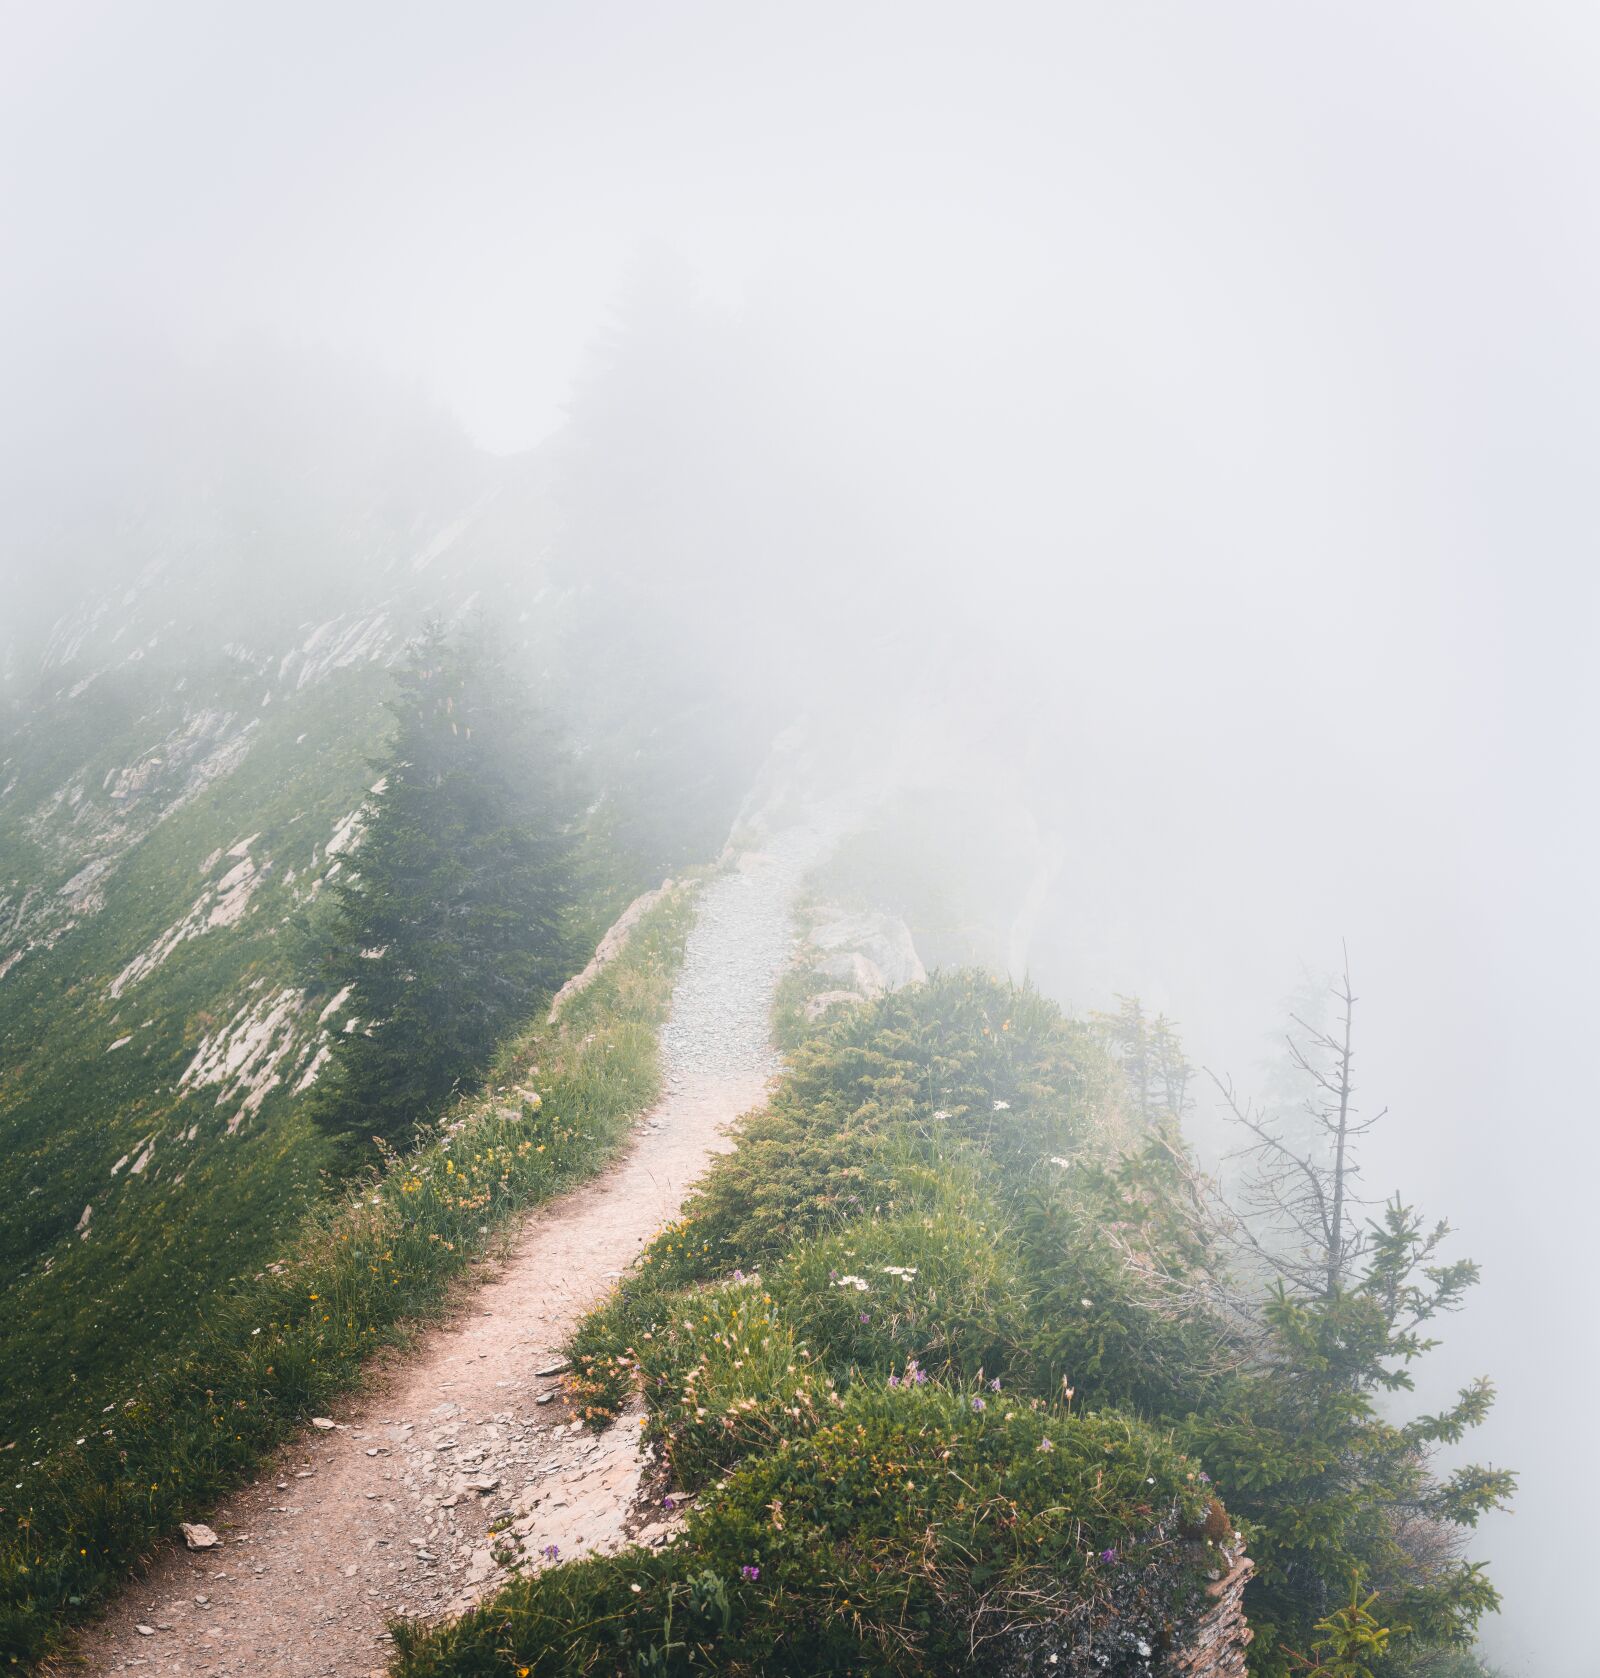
(865, 1318)
(551, 1552)
(749, 1573)
(1108, 1556)
(1205, 1479)
(914, 1372)
(978, 1404)
(833, 1275)
(669, 1503)
(738, 1275)
(894, 1380)
(994, 1385)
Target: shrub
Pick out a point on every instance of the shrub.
(867, 1504)
(1107, 1314)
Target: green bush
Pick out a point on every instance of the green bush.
(1103, 1318)
(868, 1502)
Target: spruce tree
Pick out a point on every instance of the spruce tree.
(1339, 1490)
(452, 919)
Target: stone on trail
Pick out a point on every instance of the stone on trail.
(559, 1367)
(145, 1631)
(323, 1422)
(198, 1536)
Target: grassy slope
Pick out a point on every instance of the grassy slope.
(79, 1312)
(76, 1312)
(275, 1348)
(851, 1350)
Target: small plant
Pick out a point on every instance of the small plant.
(1350, 1641)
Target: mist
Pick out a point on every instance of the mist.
(1169, 429)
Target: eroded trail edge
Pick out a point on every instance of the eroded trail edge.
(389, 1511)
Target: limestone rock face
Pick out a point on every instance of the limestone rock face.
(1216, 1649)
(612, 945)
(871, 953)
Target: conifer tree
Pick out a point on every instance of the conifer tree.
(1339, 1495)
(1151, 1057)
(452, 919)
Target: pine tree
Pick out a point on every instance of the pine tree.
(452, 920)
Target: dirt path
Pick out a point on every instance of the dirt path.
(388, 1511)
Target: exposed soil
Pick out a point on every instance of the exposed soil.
(388, 1512)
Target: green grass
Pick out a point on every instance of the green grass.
(84, 1315)
(77, 1314)
(848, 1350)
(276, 1348)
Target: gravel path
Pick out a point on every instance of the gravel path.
(387, 1512)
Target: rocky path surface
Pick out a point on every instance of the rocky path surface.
(388, 1510)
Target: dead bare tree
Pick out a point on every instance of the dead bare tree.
(1300, 1201)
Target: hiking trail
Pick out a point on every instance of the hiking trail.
(386, 1513)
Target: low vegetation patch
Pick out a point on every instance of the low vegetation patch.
(835, 1352)
(913, 1526)
(279, 1348)
(945, 1357)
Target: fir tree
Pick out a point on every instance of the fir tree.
(452, 920)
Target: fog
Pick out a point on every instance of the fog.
(1176, 422)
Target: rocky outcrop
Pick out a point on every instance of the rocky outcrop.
(818, 1005)
(1216, 1648)
(870, 953)
(609, 947)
